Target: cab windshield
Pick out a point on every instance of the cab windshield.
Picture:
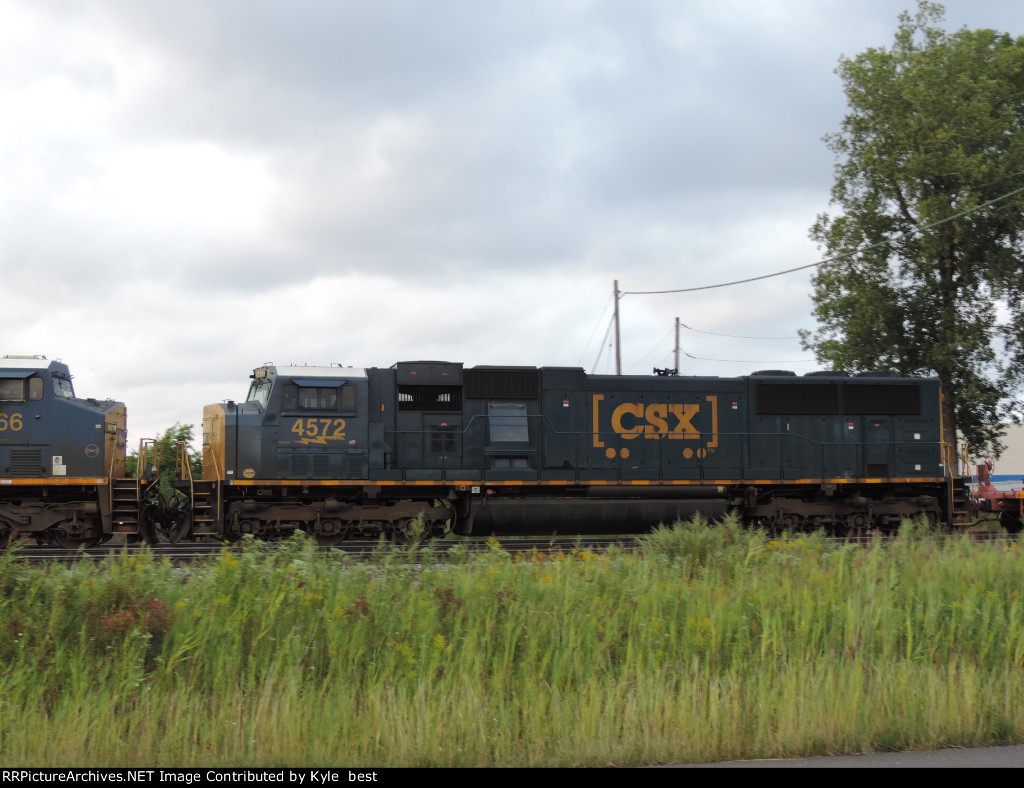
(259, 392)
(62, 387)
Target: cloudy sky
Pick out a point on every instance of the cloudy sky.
(191, 188)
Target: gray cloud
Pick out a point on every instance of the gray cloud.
(189, 189)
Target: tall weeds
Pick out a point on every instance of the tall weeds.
(711, 642)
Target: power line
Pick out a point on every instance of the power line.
(835, 259)
(652, 350)
(750, 361)
(732, 336)
(600, 352)
(597, 325)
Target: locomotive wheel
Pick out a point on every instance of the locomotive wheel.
(1010, 522)
(76, 542)
(856, 526)
(5, 539)
(855, 532)
(332, 533)
(441, 529)
(168, 528)
(401, 532)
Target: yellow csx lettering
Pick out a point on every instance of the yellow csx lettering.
(653, 420)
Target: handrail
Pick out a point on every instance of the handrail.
(216, 468)
(216, 475)
(148, 447)
(184, 466)
(965, 461)
(182, 459)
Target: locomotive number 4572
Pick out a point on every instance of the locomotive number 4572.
(319, 431)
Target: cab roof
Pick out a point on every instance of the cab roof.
(299, 371)
(30, 364)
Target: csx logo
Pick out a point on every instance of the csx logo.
(672, 420)
(632, 419)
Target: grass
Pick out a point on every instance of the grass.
(709, 643)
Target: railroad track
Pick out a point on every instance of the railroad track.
(367, 549)
(189, 552)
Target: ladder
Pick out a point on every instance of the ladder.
(127, 493)
(204, 509)
(125, 500)
(960, 504)
(203, 496)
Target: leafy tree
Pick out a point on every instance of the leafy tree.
(166, 446)
(926, 265)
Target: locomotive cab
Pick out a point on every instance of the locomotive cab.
(296, 423)
(46, 432)
(58, 455)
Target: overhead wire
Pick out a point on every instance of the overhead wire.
(750, 361)
(731, 336)
(597, 325)
(652, 350)
(601, 351)
(836, 259)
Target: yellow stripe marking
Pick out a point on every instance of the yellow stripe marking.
(63, 480)
(518, 482)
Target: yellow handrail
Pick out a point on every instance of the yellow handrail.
(184, 467)
(183, 462)
(149, 454)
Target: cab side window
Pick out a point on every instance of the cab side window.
(12, 390)
(332, 398)
(318, 398)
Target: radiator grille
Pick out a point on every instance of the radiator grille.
(807, 399)
(862, 399)
(503, 383)
(822, 399)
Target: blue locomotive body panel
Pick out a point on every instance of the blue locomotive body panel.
(376, 448)
(438, 421)
(435, 421)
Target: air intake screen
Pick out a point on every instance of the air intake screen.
(861, 399)
(503, 383)
(26, 462)
(807, 399)
(430, 398)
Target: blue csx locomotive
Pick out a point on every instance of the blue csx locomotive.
(341, 452)
(62, 459)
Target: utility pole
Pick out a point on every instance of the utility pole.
(618, 353)
(677, 345)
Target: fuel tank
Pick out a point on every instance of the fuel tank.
(587, 516)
